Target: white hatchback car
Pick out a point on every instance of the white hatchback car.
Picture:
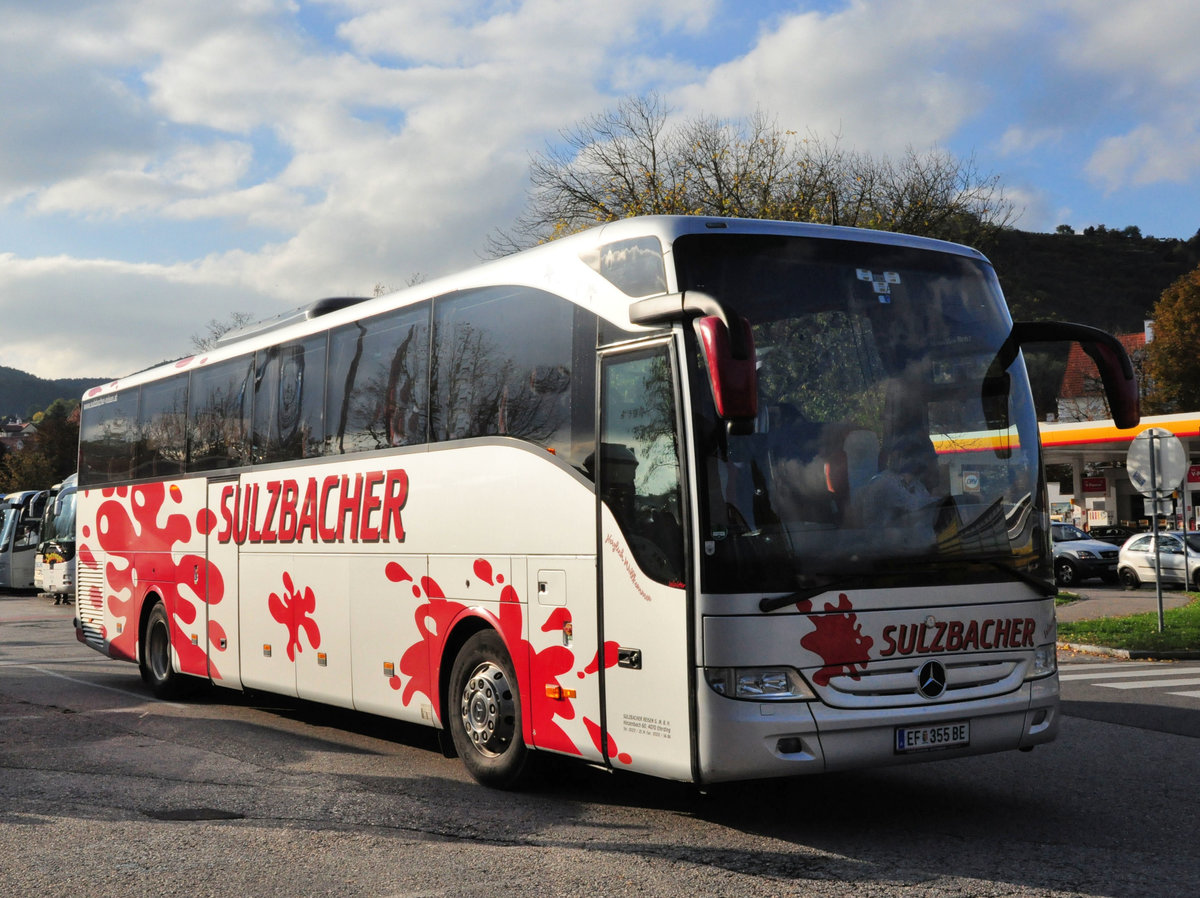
(1136, 563)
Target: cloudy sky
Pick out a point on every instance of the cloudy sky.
(164, 163)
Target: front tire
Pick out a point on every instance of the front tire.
(1065, 573)
(484, 713)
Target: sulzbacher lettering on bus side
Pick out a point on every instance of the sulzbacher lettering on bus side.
(957, 636)
(337, 508)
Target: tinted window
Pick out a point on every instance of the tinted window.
(106, 436)
(220, 415)
(505, 365)
(635, 267)
(161, 448)
(640, 460)
(376, 394)
(289, 401)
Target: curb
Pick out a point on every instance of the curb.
(1130, 655)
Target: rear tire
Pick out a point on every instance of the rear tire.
(483, 713)
(1129, 579)
(155, 660)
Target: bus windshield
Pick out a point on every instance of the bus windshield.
(63, 527)
(889, 446)
(9, 515)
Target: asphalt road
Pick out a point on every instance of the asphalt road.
(105, 791)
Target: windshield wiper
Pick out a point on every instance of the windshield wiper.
(773, 603)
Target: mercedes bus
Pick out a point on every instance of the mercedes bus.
(706, 499)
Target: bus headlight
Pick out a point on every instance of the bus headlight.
(759, 684)
(1045, 662)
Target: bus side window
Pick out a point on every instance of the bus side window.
(289, 401)
(161, 447)
(639, 459)
(106, 437)
(506, 365)
(220, 415)
(376, 393)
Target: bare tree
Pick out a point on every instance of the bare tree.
(217, 329)
(637, 160)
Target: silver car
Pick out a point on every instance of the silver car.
(1079, 557)
(1136, 564)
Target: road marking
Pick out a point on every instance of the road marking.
(125, 692)
(1187, 694)
(1116, 675)
(1152, 684)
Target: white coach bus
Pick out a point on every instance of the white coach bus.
(705, 499)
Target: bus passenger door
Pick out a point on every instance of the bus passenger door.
(644, 605)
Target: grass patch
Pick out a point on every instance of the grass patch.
(1139, 632)
(1066, 598)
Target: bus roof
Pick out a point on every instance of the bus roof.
(529, 268)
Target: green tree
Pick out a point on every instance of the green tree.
(638, 160)
(50, 455)
(1172, 359)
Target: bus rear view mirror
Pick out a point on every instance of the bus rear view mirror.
(1112, 361)
(731, 371)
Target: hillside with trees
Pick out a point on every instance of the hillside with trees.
(1103, 277)
(22, 395)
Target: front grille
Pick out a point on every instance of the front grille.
(894, 684)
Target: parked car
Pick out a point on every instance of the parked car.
(1136, 563)
(1108, 533)
(1078, 557)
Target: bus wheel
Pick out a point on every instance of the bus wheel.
(485, 712)
(155, 661)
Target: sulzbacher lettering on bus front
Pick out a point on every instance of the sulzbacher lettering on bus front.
(359, 508)
(957, 636)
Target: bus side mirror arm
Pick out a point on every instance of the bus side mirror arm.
(728, 346)
(1112, 361)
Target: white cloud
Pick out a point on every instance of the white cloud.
(1144, 69)
(1148, 154)
(880, 75)
(398, 146)
(1150, 41)
(77, 318)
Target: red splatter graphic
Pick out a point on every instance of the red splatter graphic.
(396, 573)
(611, 748)
(610, 659)
(483, 570)
(535, 670)
(293, 609)
(839, 640)
(139, 529)
(433, 620)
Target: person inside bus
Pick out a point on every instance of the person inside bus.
(901, 494)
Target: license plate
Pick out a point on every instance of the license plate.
(927, 738)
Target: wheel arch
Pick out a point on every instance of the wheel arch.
(151, 598)
(462, 630)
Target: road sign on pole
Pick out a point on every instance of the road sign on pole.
(1156, 463)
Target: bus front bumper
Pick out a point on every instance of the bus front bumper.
(740, 740)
